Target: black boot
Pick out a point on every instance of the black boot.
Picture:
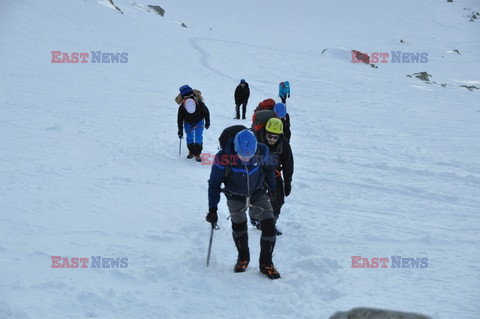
(190, 150)
(237, 109)
(198, 151)
(270, 271)
(243, 253)
(266, 265)
(266, 251)
(267, 244)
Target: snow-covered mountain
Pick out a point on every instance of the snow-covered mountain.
(386, 165)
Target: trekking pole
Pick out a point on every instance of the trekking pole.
(180, 148)
(214, 227)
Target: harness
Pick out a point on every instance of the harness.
(248, 204)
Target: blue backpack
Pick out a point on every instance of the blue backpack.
(284, 88)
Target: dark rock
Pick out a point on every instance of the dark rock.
(159, 10)
(362, 56)
(370, 313)
(474, 16)
(117, 8)
(424, 76)
(470, 87)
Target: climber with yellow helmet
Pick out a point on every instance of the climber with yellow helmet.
(281, 151)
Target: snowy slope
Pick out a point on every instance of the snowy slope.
(385, 165)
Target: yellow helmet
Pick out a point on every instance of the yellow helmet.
(274, 126)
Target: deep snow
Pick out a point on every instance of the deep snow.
(385, 165)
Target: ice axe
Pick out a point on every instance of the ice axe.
(180, 148)
(214, 227)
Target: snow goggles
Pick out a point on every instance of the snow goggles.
(273, 137)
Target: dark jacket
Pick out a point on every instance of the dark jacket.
(201, 112)
(282, 152)
(242, 95)
(286, 127)
(240, 179)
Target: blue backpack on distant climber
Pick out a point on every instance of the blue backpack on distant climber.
(284, 88)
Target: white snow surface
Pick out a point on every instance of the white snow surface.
(385, 165)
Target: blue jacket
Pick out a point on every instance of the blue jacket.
(240, 179)
(284, 89)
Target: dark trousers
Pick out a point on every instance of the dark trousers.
(244, 110)
(262, 211)
(278, 197)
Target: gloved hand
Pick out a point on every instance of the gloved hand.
(207, 125)
(212, 217)
(287, 188)
(289, 95)
(180, 133)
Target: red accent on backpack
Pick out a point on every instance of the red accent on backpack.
(260, 118)
(267, 104)
(256, 127)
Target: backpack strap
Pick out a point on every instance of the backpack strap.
(228, 170)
